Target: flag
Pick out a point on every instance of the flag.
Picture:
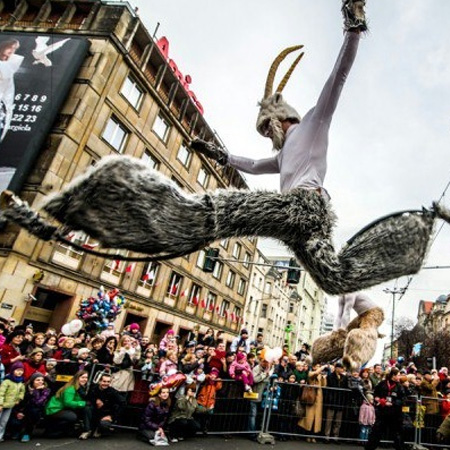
(90, 246)
(70, 237)
(225, 314)
(195, 300)
(150, 275)
(211, 307)
(217, 308)
(232, 317)
(174, 288)
(203, 304)
(130, 268)
(184, 292)
(116, 264)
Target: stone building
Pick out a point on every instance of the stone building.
(129, 97)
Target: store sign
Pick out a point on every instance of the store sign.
(36, 73)
(163, 45)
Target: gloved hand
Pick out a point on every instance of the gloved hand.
(210, 150)
(354, 15)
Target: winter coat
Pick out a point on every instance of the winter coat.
(335, 398)
(36, 398)
(395, 391)
(207, 394)
(236, 368)
(313, 415)
(168, 367)
(445, 408)
(11, 393)
(260, 380)
(428, 389)
(111, 399)
(184, 409)
(155, 415)
(69, 399)
(7, 353)
(367, 414)
(29, 368)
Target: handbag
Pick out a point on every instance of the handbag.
(298, 409)
(308, 396)
(159, 439)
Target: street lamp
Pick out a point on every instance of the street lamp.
(393, 292)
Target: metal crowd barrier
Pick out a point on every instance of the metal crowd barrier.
(279, 411)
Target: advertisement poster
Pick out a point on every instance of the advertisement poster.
(36, 73)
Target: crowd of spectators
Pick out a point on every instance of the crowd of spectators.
(177, 385)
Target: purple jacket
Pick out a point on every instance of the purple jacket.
(155, 416)
(37, 398)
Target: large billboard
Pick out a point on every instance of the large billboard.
(36, 73)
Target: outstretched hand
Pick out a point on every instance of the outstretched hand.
(210, 150)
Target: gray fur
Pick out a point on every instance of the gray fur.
(124, 204)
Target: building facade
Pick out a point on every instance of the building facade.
(128, 98)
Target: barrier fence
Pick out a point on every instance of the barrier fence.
(282, 410)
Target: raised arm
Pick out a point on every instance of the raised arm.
(329, 97)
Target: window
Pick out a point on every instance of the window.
(203, 177)
(150, 160)
(132, 92)
(77, 237)
(174, 287)
(237, 313)
(224, 243)
(194, 295)
(291, 307)
(218, 270)
(184, 155)
(211, 301)
(116, 267)
(201, 259)
(230, 279)
(224, 308)
(149, 274)
(115, 134)
(268, 288)
(161, 127)
(241, 286)
(247, 258)
(237, 250)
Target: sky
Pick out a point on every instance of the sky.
(390, 137)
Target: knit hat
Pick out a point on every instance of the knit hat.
(34, 376)
(51, 361)
(170, 332)
(61, 340)
(244, 331)
(134, 326)
(15, 333)
(15, 366)
(82, 351)
(214, 371)
(36, 351)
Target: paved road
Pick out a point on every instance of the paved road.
(125, 440)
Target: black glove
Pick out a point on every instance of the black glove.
(210, 150)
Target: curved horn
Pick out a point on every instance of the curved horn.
(285, 79)
(274, 67)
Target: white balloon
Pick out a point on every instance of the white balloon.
(270, 356)
(75, 326)
(277, 353)
(66, 329)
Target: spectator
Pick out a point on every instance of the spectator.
(303, 353)
(445, 405)
(2, 334)
(169, 365)
(258, 343)
(33, 406)
(377, 375)
(366, 417)
(96, 344)
(108, 332)
(206, 398)
(301, 372)
(217, 358)
(167, 341)
(428, 391)
(241, 342)
(34, 364)
(261, 374)
(134, 331)
(37, 341)
(147, 365)
(229, 358)
(124, 358)
(10, 351)
(181, 422)
(50, 346)
(240, 370)
(313, 416)
(67, 406)
(335, 401)
(208, 339)
(388, 397)
(105, 404)
(106, 354)
(155, 416)
(12, 391)
(65, 351)
(282, 370)
(367, 384)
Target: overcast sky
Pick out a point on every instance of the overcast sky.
(390, 136)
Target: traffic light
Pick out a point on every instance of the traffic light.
(210, 260)
(293, 275)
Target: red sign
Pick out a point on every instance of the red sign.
(163, 45)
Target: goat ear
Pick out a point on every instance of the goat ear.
(278, 98)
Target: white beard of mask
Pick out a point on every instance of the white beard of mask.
(278, 134)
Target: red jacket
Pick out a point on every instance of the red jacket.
(7, 353)
(29, 368)
(445, 408)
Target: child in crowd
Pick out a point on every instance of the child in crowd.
(241, 370)
(366, 417)
(206, 397)
(148, 365)
(12, 391)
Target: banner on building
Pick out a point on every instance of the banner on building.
(36, 73)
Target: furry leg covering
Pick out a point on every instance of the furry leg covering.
(124, 204)
(356, 345)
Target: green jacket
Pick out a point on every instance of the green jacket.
(69, 399)
(11, 393)
(184, 409)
